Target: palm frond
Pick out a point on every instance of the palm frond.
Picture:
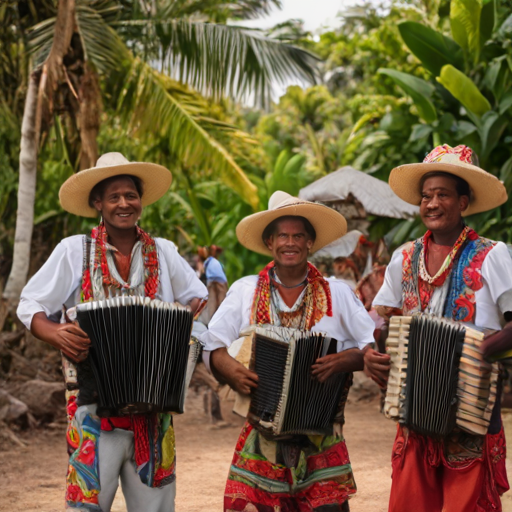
(101, 45)
(148, 108)
(212, 10)
(227, 60)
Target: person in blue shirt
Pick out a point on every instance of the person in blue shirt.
(215, 277)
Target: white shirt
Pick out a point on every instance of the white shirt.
(350, 324)
(58, 281)
(492, 300)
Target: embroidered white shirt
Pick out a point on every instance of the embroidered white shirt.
(350, 324)
(492, 300)
(58, 281)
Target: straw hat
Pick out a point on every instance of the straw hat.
(74, 192)
(487, 191)
(328, 223)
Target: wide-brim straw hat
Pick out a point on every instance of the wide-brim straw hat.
(328, 223)
(487, 191)
(75, 191)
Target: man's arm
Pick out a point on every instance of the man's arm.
(388, 299)
(227, 369)
(500, 341)
(376, 366)
(68, 337)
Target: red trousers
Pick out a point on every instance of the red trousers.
(430, 476)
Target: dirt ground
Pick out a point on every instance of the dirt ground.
(32, 479)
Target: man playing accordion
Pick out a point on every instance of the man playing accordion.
(454, 273)
(117, 258)
(300, 472)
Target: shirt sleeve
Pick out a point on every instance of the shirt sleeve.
(214, 271)
(228, 320)
(184, 281)
(497, 273)
(55, 281)
(390, 294)
(356, 323)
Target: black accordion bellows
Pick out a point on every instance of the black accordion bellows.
(439, 379)
(288, 399)
(140, 351)
(434, 353)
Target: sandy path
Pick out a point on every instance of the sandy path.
(33, 479)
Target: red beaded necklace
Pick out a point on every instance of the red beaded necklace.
(149, 253)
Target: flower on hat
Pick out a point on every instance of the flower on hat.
(465, 154)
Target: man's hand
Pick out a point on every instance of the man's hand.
(242, 379)
(350, 360)
(376, 366)
(498, 342)
(72, 341)
(69, 338)
(234, 373)
(326, 366)
(387, 312)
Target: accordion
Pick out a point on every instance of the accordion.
(288, 399)
(438, 378)
(141, 354)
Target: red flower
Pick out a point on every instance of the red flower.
(472, 274)
(87, 453)
(162, 474)
(74, 494)
(71, 407)
(466, 154)
(466, 305)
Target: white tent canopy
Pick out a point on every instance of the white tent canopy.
(342, 247)
(375, 195)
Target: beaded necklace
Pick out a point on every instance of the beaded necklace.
(443, 272)
(317, 301)
(99, 236)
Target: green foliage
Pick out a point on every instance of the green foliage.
(418, 89)
(465, 24)
(432, 48)
(469, 90)
(464, 89)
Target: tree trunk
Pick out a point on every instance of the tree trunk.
(35, 111)
(26, 193)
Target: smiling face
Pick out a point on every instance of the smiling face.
(120, 204)
(290, 243)
(441, 205)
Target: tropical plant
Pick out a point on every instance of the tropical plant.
(125, 55)
(466, 98)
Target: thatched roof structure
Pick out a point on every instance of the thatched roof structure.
(375, 196)
(342, 247)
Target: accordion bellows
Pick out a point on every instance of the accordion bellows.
(288, 399)
(141, 353)
(438, 378)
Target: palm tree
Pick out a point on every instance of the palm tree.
(132, 55)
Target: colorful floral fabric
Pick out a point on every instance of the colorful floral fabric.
(82, 481)
(155, 459)
(465, 154)
(305, 472)
(322, 476)
(463, 267)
